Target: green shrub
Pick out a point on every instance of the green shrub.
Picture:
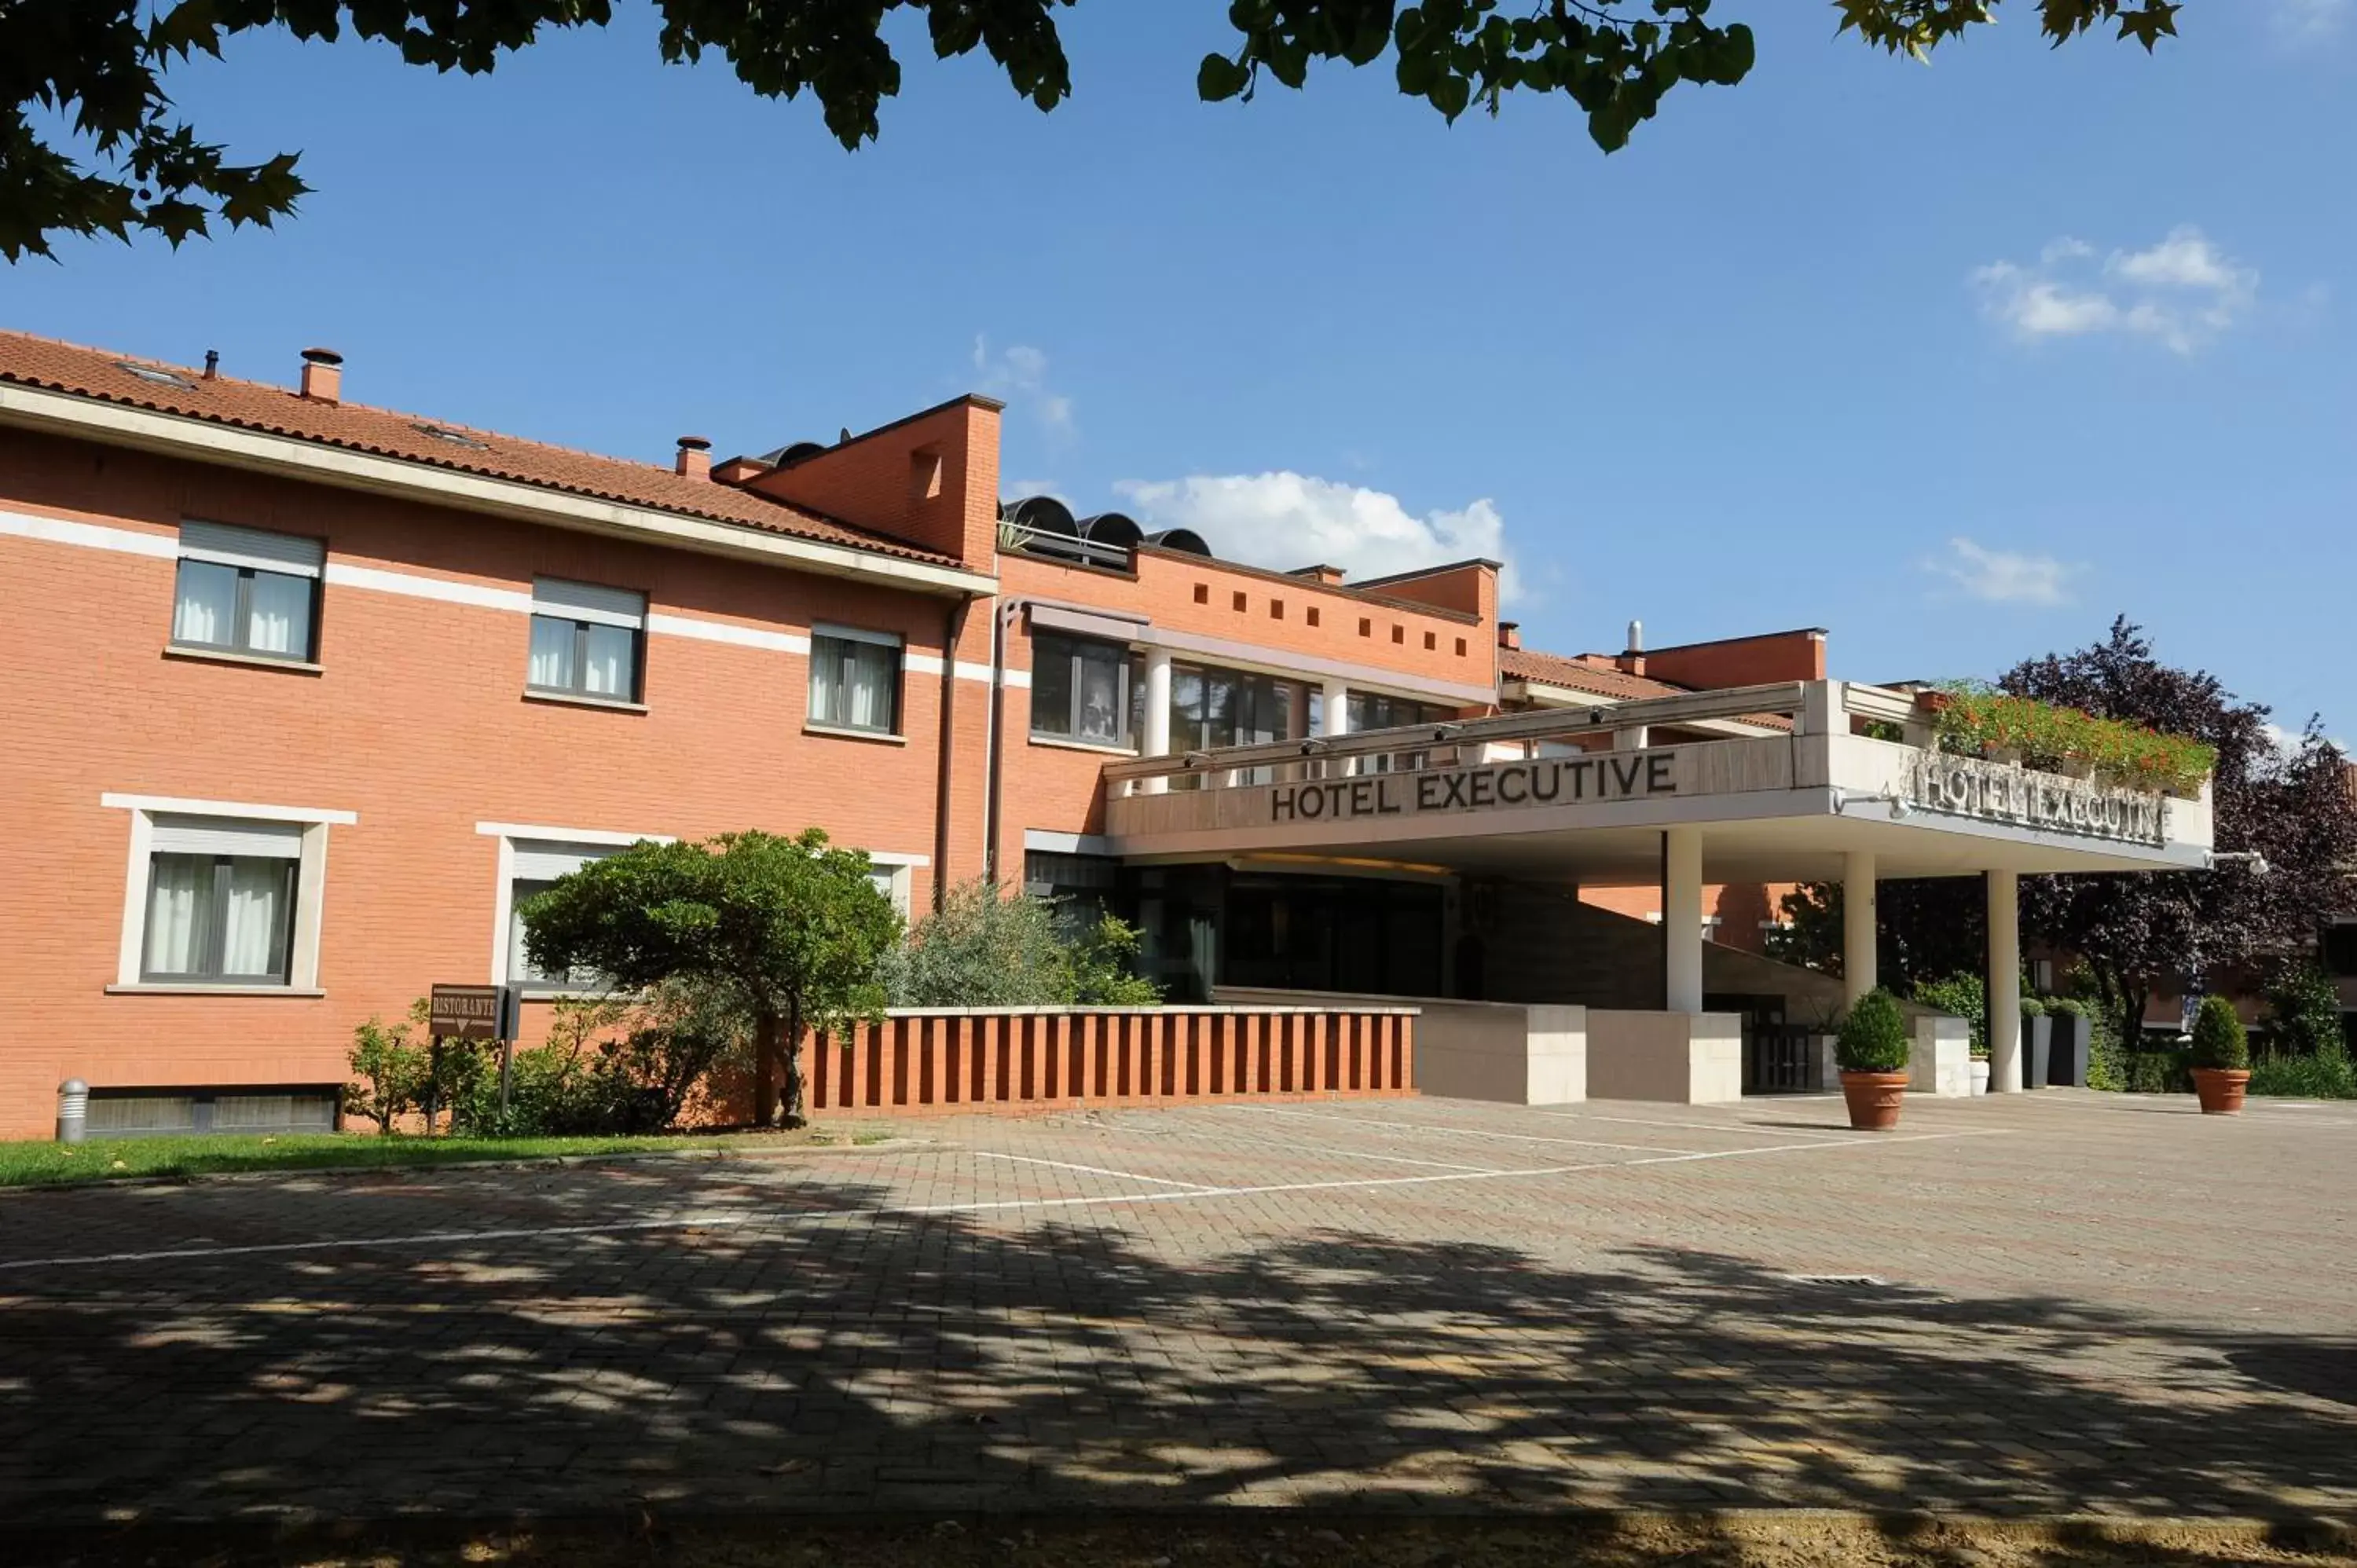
(1873, 1036)
(2328, 1074)
(2106, 1062)
(611, 1067)
(982, 950)
(2303, 1016)
(2031, 1007)
(2218, 1038)
(388, 1071)
(1961, 996)
(2168, 1069)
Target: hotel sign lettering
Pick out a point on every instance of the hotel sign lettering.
(2005, 792)
(1542, 781)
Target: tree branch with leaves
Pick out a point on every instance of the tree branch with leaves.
(92, 143)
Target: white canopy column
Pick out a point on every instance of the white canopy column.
(1156, 741)
(1857, 923)
(1682, 918)
(2004, 1007)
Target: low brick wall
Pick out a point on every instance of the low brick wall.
(1020, 1060)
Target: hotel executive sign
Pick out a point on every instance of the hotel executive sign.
(2005, 792)
(1542, 781)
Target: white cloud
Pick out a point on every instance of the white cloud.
(2306, 21)
(2004, 576)
(1284, 520)
(1018, 374)
(1022, 489)
(2180, 293)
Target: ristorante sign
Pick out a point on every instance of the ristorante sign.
(2006, 792)
(1541, 781)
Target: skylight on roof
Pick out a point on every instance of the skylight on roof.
(454, 437)
(157, 374)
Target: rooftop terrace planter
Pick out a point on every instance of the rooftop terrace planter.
(1979, 719)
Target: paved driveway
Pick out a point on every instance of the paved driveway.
(2058, 1302)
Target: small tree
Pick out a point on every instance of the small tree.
(1873, 1036)
(388, 1071)
(789, 930)
(2218, 1038)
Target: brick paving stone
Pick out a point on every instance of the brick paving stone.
(2083, 1309)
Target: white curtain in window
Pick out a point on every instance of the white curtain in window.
(206, 606)
(1100, 696)
(254, 931)
(607, 673)
(552, 653)
(279, 620)
(179, 911)
(869, 676)
(519, 966)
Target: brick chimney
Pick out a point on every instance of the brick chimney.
(1324, 576)
(695, 461)
(1509, 634)
(323, 376)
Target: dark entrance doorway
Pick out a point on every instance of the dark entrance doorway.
(1778, 1057)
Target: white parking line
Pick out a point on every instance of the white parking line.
(738, 1218)
(1455, 1132)
(1232, 1138)
(1092, 1170)
(1838, 1137)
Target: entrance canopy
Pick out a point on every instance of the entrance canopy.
(1588, 794)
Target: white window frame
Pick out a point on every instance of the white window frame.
(508, 835)
(891, 640)
(247, 551)
(583, 604)
(310, 890)
(900, 868)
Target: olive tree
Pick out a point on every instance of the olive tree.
(789, 930)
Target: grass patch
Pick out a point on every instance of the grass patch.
(43, 1163)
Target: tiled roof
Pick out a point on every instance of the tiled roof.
(259, 405)
(1554, 669)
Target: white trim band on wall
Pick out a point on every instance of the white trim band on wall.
(449, 590)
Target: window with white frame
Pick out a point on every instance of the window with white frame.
(533, 867)
(241, 590)
(223, 894)
(892, 876)
(586, 640)
(1083, 690)
(220, 900)
(854, 680)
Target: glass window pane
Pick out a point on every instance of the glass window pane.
(254, 921)
(179, 914)
(873, 677)
(1052, 686)
(519, 967)
(612, 661)
(1100, 695)
(278, 619)
(826, 680)
(204, 610)
(552, 654)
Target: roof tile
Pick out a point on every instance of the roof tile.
(43, 362)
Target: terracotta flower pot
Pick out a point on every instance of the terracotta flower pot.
(1874, 1099)
(2220, 1090)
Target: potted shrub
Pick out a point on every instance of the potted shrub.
(2221, 1058)
(2037, 1042)
(2072, 1034)
(1872, 1054)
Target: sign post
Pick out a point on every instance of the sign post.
(477, 1012)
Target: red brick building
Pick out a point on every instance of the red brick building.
(305, 692)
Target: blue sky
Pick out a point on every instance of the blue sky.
(1957, 360)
